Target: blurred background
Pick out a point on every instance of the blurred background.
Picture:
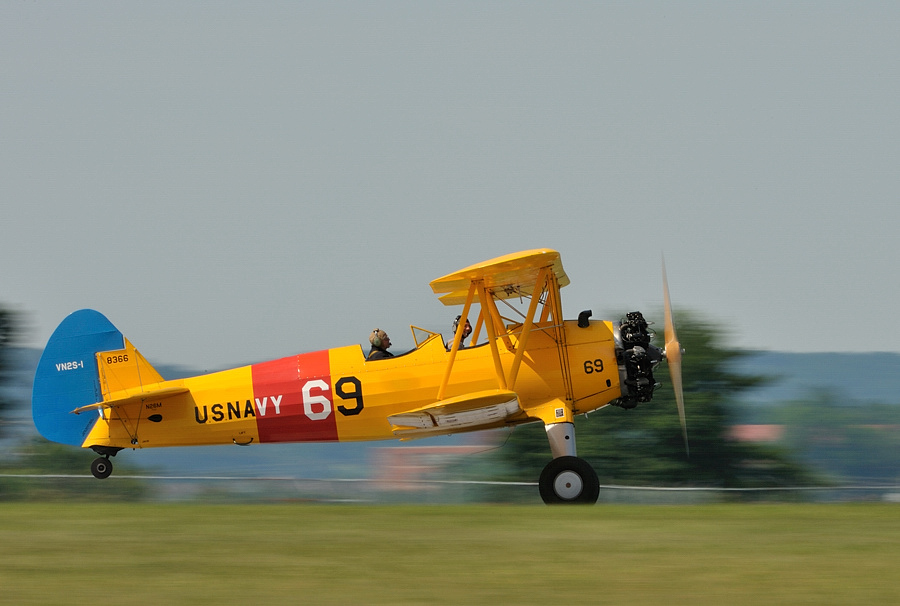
(233, 183)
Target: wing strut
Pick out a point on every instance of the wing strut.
(457, 339)
(492, 332)
(526, 327)
(538, 272)
(554, 302)
(477, 332)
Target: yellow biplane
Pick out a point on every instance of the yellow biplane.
(93, 389)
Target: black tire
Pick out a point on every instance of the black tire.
(101, 468)
(569, 480)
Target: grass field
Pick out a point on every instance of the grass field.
(313, 554)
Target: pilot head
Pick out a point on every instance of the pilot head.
(467, 330)
(379, 339)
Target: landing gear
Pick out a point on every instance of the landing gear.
(101, 467)
(569, 480)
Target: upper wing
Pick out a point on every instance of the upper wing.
(507, 276)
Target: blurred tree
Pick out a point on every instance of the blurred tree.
(10, 328)
(644, 446)
(848, 442)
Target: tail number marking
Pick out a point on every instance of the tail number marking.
(74, 365)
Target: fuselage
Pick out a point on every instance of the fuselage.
(337, 395)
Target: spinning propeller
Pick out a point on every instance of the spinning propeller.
(672, 354)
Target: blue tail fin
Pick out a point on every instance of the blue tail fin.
(67, 376)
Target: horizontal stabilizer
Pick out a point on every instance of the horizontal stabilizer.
(133, 398)
(482, 408)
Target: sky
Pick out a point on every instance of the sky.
(235, 182)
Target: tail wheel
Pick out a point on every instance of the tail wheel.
(101, 468)
(569, 480)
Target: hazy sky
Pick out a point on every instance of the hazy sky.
(231, 182)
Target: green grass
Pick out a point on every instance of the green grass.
(312, 554)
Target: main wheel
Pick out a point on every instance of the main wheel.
(569, 480)
(101, 468)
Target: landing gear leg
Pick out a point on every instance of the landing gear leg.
(101, 467)
(567, 479)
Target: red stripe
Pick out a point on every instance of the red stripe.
(278, 389)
